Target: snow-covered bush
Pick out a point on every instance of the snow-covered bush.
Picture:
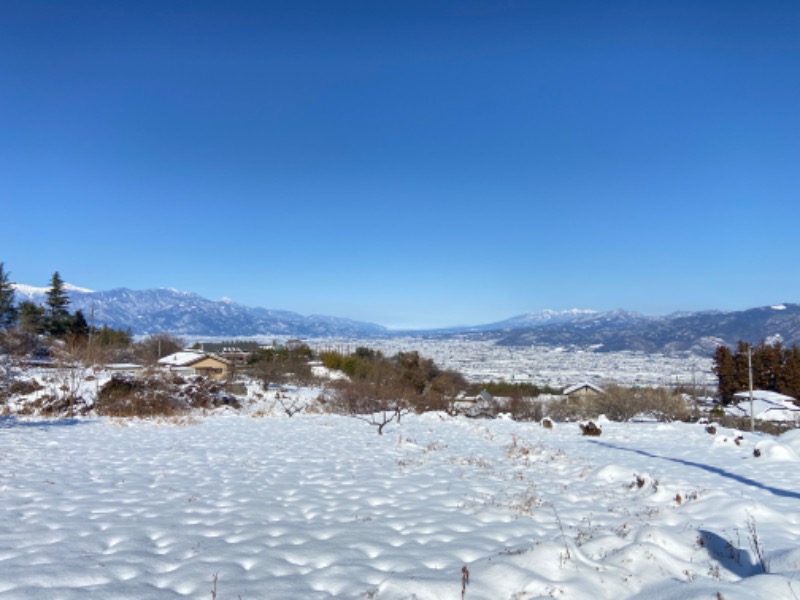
(160, 394)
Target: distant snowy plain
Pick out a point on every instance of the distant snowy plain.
(320, 506)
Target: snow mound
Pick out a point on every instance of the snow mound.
(772, 450)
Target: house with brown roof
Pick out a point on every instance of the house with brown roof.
(197, 363)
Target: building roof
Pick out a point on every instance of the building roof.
(187, 358)
(574, 388)
(765, 395)
(767, 406)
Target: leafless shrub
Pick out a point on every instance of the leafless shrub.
(290, 406)
(572, 409)
(620, 403)
(743, 423)
(639, 481)
(156, 346)
(138, 397)
(202, 392)
(755, 544)
(20, 387)
(56, 405)
(378, 399)
(19, 344)
(522, 408)
(382, 418)
(591, 429)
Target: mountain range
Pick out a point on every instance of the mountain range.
(188, 314)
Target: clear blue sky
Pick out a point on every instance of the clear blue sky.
(409, 163)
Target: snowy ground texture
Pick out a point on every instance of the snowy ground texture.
(318, 506)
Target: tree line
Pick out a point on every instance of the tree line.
(775, 368)
(52, 318)
(404, 381)
(28, 328)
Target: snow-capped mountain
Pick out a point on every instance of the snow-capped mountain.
(29, 292)
(188, 314)
(538, 319)
(699, 332)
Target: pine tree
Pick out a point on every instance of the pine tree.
(725, 368)
(31, 317)
(789, 380)
(78, 324)
(8, 312)
(767, 365)
(57, 302)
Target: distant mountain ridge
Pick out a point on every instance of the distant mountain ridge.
(189, 314)
(698, 332)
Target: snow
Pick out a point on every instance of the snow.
(31, 292)
(320, 506)
(180, 359)
(767, 406)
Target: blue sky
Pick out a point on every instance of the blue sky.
(414, 163)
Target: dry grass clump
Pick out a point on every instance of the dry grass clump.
(591, 429)
(55, 405)
(160, 395)
(21, 387)
(207, 393)
(124, 396)
(623, 404)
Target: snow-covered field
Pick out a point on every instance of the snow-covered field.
(320, 506)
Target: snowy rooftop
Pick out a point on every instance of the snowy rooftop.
(767, 406)
(764, 395)
(181, 359)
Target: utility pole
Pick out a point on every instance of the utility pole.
(750, 379)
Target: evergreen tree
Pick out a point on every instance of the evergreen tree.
(57, 302)
(107, 336)
(8, 312)
(725, 368)
(767, 365)
(78, 325)
(31, 318)
(789, 380)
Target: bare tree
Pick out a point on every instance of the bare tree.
(157, 346)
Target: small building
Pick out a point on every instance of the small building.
(767, 406)
(482, 405)
(236, 352)
(582, 391)
(197, 363)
